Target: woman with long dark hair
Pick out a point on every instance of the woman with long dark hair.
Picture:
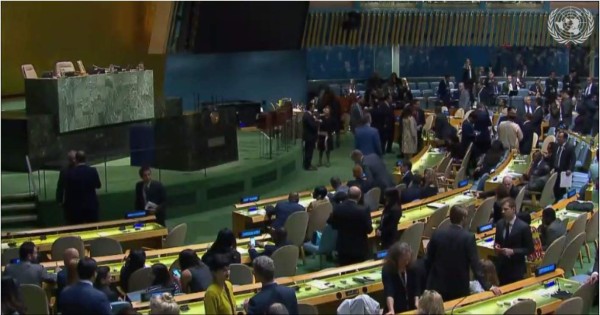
(163, 279)
(11, 297)
(392, 211)
(136, 260)
(102, 283)
(195, 276)
(401, 283)
(225, 244)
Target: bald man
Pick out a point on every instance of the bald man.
(62, 277)
(284, 209)
(353, 224)
(507, 181)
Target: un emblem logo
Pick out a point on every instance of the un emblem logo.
(570, 25)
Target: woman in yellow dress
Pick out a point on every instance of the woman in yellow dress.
(219, 298)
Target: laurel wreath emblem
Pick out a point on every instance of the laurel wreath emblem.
(589, 29)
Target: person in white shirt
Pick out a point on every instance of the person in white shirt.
(509, 132)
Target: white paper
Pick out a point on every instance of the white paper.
(566, 180)
(150, 206)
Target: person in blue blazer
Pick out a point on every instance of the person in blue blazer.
(271, 292)
(366, 138)
(284, 209)
(82, 297)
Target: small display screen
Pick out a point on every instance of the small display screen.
(463, 183)
(15, 261)
(138, 225)
(381, 254)
(571, 193)
(250, 233)
(247, 199)
(545, 270)
(485, 228)
(135, 214)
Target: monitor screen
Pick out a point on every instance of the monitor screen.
(247, 199)
(380, 254)
(250, 233)
(135, 214)
(485, 228)
(571, 193)
(463, 183)
(545, 270)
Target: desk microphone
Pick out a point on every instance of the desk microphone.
(457, 304)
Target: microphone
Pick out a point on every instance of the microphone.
(457, 304)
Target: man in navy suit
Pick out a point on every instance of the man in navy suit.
(148, 190)
(407, 175)
(538, 117)
(60, 186)
(513, 243)
(412, 192)
(374, 169)
(80, 192)
(564, 161)
(366, 138)
(82, 297)
(444, 90)
(271, 292)
(284, 209)
(468, 132)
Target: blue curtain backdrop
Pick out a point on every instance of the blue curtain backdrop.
(345, 63)
(255, 76)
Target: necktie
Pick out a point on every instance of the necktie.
(469, 72)
(588, 90)
(560, 150)
(506, 231)
(145, 192)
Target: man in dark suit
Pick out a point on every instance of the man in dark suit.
(270, 292)
(420, 118)
(444, 90)
(353, 224)
(361, 180)
(28, 270)
(491, 89)
(374, 169)
(468, 130)
(451, 254)
(310, 129)
(82, 297)
(538, 117)
(468, 77)
(412, 192)
(338, 189)
(513, 243)
(527, 142)
(551, 88)
(591, 89)
(385, 122)
(538, 174)
(570, 82)
(507, 182)
(551, 228)
(60, 186)
(284, 209)
(564, 161)
(150, 195)
(407, 174)
(80, 193)
(366, 138)
(510, 87)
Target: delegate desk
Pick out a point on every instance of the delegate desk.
(538, 289)
(428, 157)
(150, 234)
(319, 288)
(517, 166)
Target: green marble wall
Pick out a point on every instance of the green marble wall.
(104, 99)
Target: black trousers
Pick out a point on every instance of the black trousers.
(309, 148)
(387, 138)
(558, 191)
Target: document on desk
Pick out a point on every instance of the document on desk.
(566, 180)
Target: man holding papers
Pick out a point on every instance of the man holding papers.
(150, 195)
(564, 164)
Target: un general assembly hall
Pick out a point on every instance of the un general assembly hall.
(299, 157)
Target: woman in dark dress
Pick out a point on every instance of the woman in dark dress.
(325, 140)
(401, 280)
(225, 244)
(195, 275)
(392, 211)
(136, 260)
(102, 283)
(163, 280)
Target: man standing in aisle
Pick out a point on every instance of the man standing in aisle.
(80, 193)
(310, 129)
(60, 187)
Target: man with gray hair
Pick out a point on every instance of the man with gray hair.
(507, 181)
(271, 292)
(353, 224)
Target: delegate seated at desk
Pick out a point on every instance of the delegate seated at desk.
(150, 195)
(283, 210)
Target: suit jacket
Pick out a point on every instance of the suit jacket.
(80, 193)
(273, 293)
(420, 117)
(551, 88)
(155, 193)
(60, 184)
(566, 160)
(27, 273)
(366, 139)
(536, 121)
(444, 91)
(593, 91)
(407, 178)
(451, 254)
(520, 240)
(309, 127)
(527, 141)
(83, 298)
(282, 211)
(466, 73)
(394, 287)
(468, 134)
(410, 194)
(375, 170)
(353, 224)
(553, 231)
(365, 184)
(388, 226)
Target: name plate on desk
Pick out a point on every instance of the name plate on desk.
(351, 293)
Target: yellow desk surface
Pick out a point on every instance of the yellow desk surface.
(486, 302)
(148, 231)
(515, 168)
(424, 160)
